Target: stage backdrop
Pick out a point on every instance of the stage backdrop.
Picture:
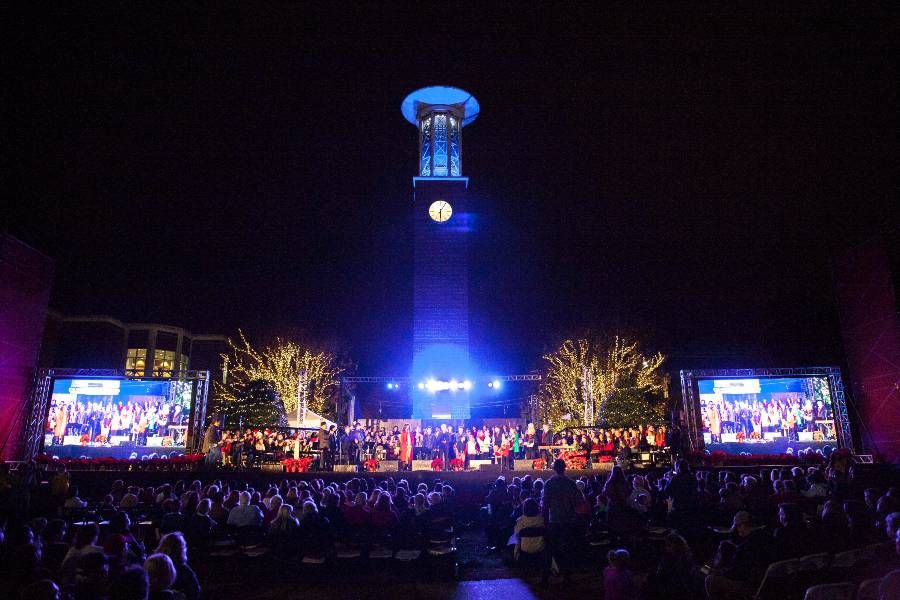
(25, 279)
(870, 329)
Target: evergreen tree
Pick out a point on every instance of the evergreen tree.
(259, 404)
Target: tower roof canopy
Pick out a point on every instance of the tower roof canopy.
(440, 95)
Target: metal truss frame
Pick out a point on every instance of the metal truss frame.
(38, 402)
(691, 399)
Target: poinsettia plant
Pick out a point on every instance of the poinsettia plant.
(539, 464)
(457, 464)
(371, 465)
(297, 465)
(437, 465)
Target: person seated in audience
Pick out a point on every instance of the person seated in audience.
(174, 546)
(384, 521)
(172, 520)
(161, 576)
(199, 525)
(859, 519)
(792, 538)
(245, 514)
(315, 534)
(724, 557)
(676, 576)
(73, 500)
(120, 524)
(285, 525)
(131, 584)
(818, 487)
(85, 542)
(53, 548)
(618, 583)
(892, 525)
(272, 507)
(832, 532)
(749, 564)
(533, 543)
(331, 510)
(129, 500)
(43, 589)
(92, 577)
(358, 516)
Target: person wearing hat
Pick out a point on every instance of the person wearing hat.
(750, 561)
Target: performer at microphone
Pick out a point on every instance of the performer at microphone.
(407, 446)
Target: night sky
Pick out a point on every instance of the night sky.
(685, 175)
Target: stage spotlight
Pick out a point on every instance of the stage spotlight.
(467, 385)
(390, 386)
(454, 385)
(421, 385)
(496, 383)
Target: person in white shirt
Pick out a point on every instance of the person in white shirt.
(531, 522)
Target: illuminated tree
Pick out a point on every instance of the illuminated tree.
(259, 404)
(282, 363)
(598, 382)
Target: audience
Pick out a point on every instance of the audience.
(774, 515)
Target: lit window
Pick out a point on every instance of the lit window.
(136, 361)
(163, 362)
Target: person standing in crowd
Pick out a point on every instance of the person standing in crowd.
(560, 498)
(210, 445)
(324, 446)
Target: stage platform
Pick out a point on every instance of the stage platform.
(472, 481)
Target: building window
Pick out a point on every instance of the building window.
(136, 361)
(163, 362)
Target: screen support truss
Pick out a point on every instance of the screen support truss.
(42, 387)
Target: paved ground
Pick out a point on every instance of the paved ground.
(481, 575)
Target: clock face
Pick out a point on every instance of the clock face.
(440, 211)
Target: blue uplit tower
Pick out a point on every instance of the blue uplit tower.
(441, 372)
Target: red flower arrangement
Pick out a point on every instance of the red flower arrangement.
(574, 459)
(100, 439)
(371, 465)
(437, 465)
(720, 458)
(297, 465)
(457, 464)
(539, 464)
(740, 436)
(84, 439)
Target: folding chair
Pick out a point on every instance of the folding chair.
(831, 591)
(779, 577)
(810, 571)
(868, 589)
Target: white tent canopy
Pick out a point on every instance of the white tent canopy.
(311, 420)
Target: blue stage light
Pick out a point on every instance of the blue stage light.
(390, 386)
(421, 385)
(467, 385)
(496, 383)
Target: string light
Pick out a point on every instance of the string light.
(281, 363)
(621, 380)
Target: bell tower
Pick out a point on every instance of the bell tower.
(441, 372)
